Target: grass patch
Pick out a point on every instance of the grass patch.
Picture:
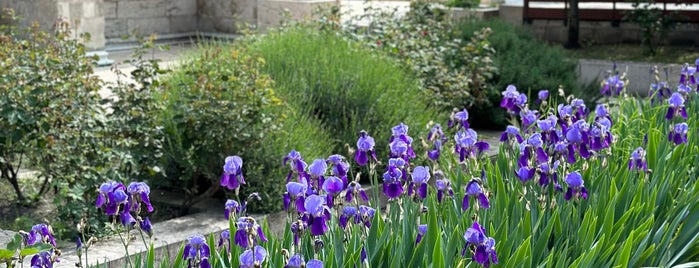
(343, 87)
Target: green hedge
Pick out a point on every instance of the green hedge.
(343, 86)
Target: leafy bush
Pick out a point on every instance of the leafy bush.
(424, 40)
(217, 103)
(463, 3)
(522, 60)
(343, 86)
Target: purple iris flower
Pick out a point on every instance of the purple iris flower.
(676, 108)
(659, 91)
(418, 184)
(525, 174)
(366, 215)
(314, 264)
(528, 117)
(577, 136)
(510, 99)
(365, 147)
(232, 176)
(319, 214)
(196, 252)
(232, 208)
(600, 134)
(146, 226)
(296, 261)
(298, 228)
(339, 166)
(354, 189)
(549, 132)
(579, 109)
(225, 240)
(612, 86)
(565, 114)
(42, 260)
(509, 133)
(638, 160)
(543, 95)
(678, 134)
(467, 144)
(684, 89)
(248, 231)
(459, 118)
(474, 189)
(392, 178)
(138, 193)
(548, 173)
(575, 186)
(436, 133)
(111, 195)
(443, 186)
(532, 147)
(482, 247)
(349, 213)
(436, 150)
(421, 231)
(40, 233)
(126, 219)
(295, 192)
(687, 75)
(332, 186)
(298, 166)
(521, 101)
(318, 168)
(253, 257)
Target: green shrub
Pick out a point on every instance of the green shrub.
(343, 86)
(52, 119)
(463, 3)
(217, 103)
(424, 41)
(522, 60)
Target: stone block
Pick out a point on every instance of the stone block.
(147, 26)
(110, 9)
(183, 24)
(115, 28)
(181, 8)
(76, 11)
(272, 13)
(223, 15)
(96, 28)
(149, 9)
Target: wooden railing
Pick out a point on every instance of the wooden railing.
(613, 14)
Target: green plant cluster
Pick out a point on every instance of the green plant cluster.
(455, 71)
(216, 104)
(654, 22)
(462, 3)
(51, 116)
(521, 60)
(342, 86)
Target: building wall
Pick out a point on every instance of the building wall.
(84, 16)
(162, 17)
(223, 15)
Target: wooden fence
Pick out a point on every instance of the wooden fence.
(606, 10)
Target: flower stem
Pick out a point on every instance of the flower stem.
(126, 249)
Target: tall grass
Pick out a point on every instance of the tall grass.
(344, 87)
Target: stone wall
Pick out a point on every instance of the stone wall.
(222, 15)
(162, 17)
(85, 16)
(108, 21)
